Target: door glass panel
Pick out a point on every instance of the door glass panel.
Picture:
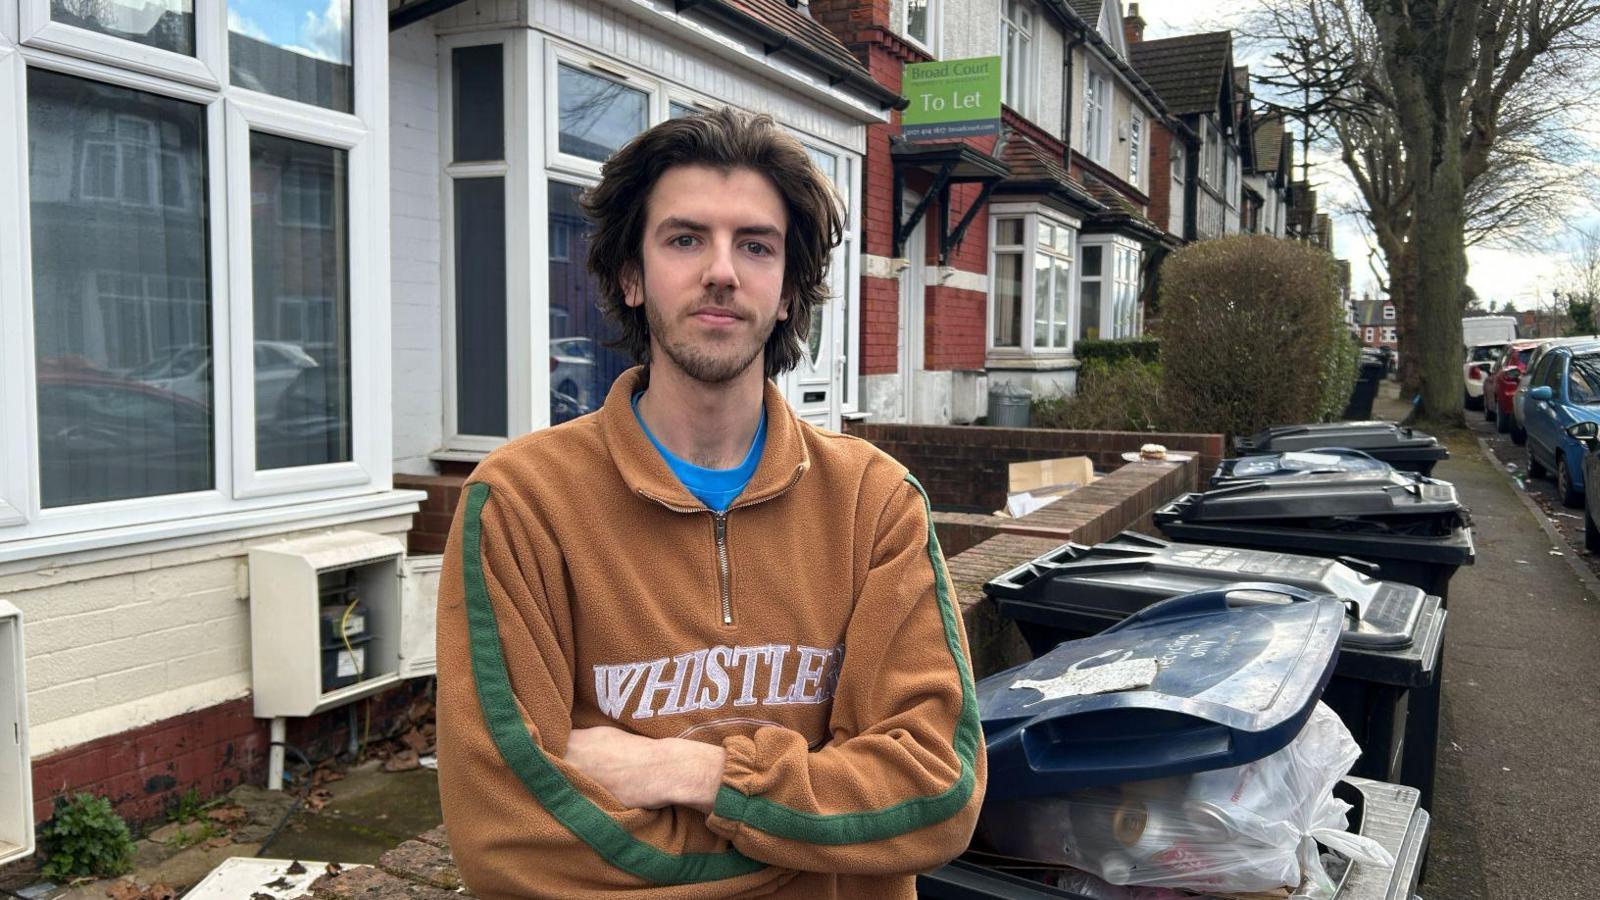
(300, 257)
(296, 49)
(598, 115)
(163, 24)
(122, 322)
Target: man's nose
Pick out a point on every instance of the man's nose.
(720, 272)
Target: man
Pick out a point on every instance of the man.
(690, 646)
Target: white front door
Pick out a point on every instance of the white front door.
(911, 313)
(815, 388)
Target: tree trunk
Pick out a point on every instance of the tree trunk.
(1440, 250)
(1402, 293)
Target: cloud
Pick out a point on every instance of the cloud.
(326, 36)
(247, 27)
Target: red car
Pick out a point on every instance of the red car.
(1502, 383)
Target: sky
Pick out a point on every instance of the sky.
(312, 27)
(1497, 274)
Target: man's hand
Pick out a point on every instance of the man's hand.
(648, 773)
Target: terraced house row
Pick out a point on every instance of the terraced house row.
(275, 274)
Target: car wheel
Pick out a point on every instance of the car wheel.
(1502, 423)
(1488, 412)
(1536, 469)
(1591, 534)
(1571, 497)
(1518, 436)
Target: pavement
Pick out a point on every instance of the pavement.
(1517, 796)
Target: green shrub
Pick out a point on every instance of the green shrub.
(1118, 396)
(1252, 335)
(85, 836)
(1143, 349)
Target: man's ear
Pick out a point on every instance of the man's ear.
(632, 285)
(783, 306)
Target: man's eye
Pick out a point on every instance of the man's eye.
(758, 248)
(683, 240)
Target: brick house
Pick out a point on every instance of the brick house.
(1375, 323)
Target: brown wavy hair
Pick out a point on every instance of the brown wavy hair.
(724, 139)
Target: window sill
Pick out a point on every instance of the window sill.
(112, 543)
(1055, 363)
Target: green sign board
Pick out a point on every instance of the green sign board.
(952, 98)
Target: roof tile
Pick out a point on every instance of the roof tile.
(1187, 71)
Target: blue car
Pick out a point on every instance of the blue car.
(1564, 390)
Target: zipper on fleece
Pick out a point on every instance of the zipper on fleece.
(719, 525)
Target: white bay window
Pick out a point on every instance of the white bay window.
(1030, 304)
(1108, 288)
(193, 305)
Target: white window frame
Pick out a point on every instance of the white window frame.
(1388, 313)
(558, 54)
(513, 168)
(1388, 334)
(1096, 114)
(1025, 102)
(208, 68)
(1372, 334)
(1031, 213)
(1136, 145)
(1114, 282)
(239, 492)
(931, 46)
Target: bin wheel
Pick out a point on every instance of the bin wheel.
(1536, 469)
(1502, 423)
(1571, 497)
(1591, 534)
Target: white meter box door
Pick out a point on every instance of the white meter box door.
(16, 772)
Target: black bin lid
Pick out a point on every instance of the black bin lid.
(1131, 571)
(1385, 440)
(1299, 463)
(1325, 495)
(1228, 684)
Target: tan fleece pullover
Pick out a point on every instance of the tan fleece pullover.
(810, 631)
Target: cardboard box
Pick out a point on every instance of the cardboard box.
(1038, 483)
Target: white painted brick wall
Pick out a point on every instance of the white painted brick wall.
(416, 320)
(117, 644)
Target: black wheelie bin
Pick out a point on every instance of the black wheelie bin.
(1399, 446)
(1415, 530)
(1385, 687)
(1296, 463)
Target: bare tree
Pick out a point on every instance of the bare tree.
(1515, 81)
(1580, 277)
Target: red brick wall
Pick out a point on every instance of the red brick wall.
(953, 336)
(880, 326)
(1161, 174)
(431, 526)
(144, 771)
(965, 467)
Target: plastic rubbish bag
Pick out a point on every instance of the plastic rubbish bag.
(1254, 827)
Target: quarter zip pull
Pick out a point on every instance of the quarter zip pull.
(720, 528)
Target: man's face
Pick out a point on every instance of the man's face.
(712, 286)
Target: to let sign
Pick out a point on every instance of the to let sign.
(952, 98)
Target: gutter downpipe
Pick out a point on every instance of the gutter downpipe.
(1066, 99)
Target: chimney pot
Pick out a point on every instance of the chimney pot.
(1133, 25)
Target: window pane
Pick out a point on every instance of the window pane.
(917, 20)
(1063, 242)
(676, 110)
(598, 115)
(1091, 260)
(1008, 299)
(1089, 310)
(1059, 303)
(122, 322)
(582, 367)
(164, 24)
(478, 103)
(299, 252)
(1041, 300)
(1008, 232)
(480, 307)
(296, 49)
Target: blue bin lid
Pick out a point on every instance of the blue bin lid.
(1294, 463)
(1231, 684)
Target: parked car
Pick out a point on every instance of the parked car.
(1565, 391)
(572, 370)
(1475, 371)
(1519, 433)
(1501, 385)
(1588, 434)
(187, 373)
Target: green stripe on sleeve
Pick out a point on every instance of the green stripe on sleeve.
(537, 772)
(909, 815)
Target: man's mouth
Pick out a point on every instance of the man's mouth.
(716, 315)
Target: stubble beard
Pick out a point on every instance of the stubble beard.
(708, 362)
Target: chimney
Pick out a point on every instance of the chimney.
(1133, 25)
